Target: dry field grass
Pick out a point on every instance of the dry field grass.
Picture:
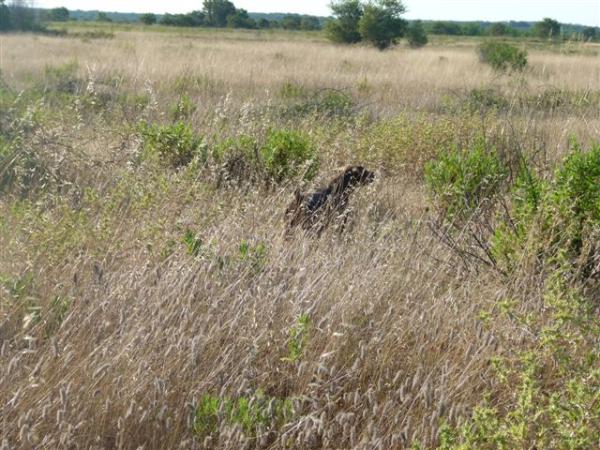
(143, 306)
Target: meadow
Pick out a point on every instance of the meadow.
(150, 299)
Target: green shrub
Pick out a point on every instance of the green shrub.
(462, 180)
(254, 255)
(182, 109)
(192, 243)
(509, 237)
(486, 98)
(176, 145)
(287, 154)
(502, 56)
(575, 196)
(558, 217)
(298, 338)
(250, 413)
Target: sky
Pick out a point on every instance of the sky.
(585, 12)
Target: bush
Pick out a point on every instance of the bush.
(502, 56)
(557, 217)
(462, 180)
(486, 98)
(175, 144)
(287, 154)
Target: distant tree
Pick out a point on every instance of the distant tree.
(148, 19)
(5, 23)
(498, 29)
(240, 19)
(590, 33)
(547, 29)
(381, 24)
(193, 19)
(291, 22)
(346, 17)
(310, 23)
(58, 14)
(472, 29)
(417, 37)
(447, 28)
(103, 17)
(22, 16)
(217, 12)
(264, 24)
(167, 19)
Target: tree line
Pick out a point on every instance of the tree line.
(223, 13)
(18, 16)
(546, 29)
(377, 22)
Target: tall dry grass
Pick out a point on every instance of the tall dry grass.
(113, 331)
(251, 68)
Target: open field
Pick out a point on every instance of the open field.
(148, 296)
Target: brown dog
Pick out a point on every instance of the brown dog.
(314, 211)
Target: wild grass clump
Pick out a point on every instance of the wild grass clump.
(539, 412)
(324, 103)
(502, 56)
(404, 144)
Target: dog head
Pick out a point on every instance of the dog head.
(357, 175)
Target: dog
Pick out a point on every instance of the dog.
(315, 211)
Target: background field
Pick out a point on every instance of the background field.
(147, 305)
